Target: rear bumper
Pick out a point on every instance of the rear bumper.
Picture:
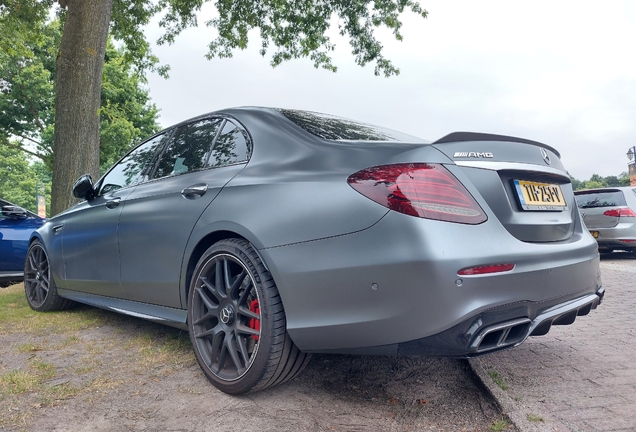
(610, 245)
(495, 330)
(611, 238)
(394, 288)
(488, 332)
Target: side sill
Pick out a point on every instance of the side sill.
(159, 314)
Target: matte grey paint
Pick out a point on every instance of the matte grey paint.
(326, 245)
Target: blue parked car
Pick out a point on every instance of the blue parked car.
(16, 226)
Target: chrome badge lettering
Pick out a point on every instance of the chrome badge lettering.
(473, 155)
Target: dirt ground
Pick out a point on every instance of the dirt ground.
(92, 370)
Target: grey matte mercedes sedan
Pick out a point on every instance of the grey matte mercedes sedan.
(271, 234)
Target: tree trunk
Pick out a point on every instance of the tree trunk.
(78, 81)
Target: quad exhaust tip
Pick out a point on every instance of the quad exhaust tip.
(514, 332)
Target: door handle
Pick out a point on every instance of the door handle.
(195, 190)
(113, 203)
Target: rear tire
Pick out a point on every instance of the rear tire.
(39, 286)
(237, 322)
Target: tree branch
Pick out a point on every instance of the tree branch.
(34, 111)
(19, 147)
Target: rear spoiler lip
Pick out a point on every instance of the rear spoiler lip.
(476, 136)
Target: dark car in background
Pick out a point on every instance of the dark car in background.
(610, 215)
(16, 227)
(271, 234)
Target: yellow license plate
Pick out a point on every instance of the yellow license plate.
(540, 196)
(594, 234)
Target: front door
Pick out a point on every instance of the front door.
(89, 233)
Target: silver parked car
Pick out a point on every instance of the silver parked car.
(610, 215)
(271, 234)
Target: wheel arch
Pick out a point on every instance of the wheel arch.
(194, 253)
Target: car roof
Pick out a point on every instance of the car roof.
(4, 202)
(606, 189)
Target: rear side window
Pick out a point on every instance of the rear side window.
(130, 169)
(601, 199)
(342, 129)
(232, 146)
(189, 148)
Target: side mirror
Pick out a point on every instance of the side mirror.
(83, 187)
(13, 212)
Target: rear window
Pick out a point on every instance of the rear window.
(341, 129)
(600, 199)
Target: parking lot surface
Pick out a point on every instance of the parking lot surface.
(580, 377)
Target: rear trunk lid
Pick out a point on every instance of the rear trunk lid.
(523, 182)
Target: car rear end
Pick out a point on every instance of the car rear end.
(478, 251)
(610, 216)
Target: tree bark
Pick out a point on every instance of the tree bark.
(78, 81)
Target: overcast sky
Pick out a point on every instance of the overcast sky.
(559, 72)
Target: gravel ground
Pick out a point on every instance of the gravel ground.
(120, 373)
(579, 377)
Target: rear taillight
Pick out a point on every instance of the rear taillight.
(621, 212)
(423, 190)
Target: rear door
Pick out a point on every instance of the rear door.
(159, 216)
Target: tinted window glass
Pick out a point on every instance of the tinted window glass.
(338, 128)
(600, 199)
(230, 147)
(130, 169)
(188, 150)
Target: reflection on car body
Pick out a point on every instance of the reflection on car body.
(272, 234)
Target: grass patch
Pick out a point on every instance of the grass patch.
(102, 384)
(53, 394)
(18, 382)
(16, 315)
(45, 369)
(85, 362)
(500, 425)
(498, 379)
(71, 340)
(535, 418)
(29, 347)
(13, 304)
(160, 349)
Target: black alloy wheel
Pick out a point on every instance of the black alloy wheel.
(39, 286)
(237, 322)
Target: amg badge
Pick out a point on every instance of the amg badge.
(473, 155)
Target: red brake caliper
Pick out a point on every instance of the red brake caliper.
(255, 323)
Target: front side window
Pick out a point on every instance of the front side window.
(129, 171)
(189, 149)
(232, 146)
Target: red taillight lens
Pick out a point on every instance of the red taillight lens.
(621, 212)
(496, 268)
(423, 190)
